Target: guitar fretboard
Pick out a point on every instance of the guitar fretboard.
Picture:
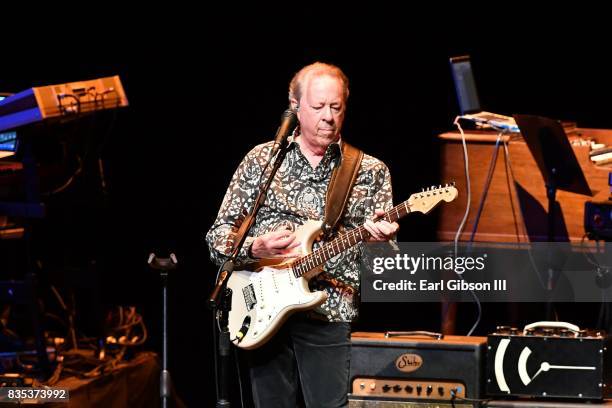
(344, 241)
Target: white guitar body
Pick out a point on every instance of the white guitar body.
(264, 297)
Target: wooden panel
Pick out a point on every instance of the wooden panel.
(501, 219)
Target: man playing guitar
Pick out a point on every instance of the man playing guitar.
(311, 350)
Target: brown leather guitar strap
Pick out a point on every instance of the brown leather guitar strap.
(340, 186)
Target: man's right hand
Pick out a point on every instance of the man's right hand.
(276, 244)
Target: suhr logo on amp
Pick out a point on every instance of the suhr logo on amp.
(408, 362)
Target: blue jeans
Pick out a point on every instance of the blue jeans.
(306, 353)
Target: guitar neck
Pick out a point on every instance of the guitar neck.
(343, 242)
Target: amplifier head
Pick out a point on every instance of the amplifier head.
(416, 367)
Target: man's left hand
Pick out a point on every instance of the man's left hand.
(381, 230)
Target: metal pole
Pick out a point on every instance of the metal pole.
(165, 375)
(164, 265)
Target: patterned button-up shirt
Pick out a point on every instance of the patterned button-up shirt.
(297, 194)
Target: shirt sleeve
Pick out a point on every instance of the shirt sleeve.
(383, 197)
(237, 203)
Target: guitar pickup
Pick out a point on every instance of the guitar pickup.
(249, 297)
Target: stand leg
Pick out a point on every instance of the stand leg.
(551, 193)
(164, 384)
(224, 363)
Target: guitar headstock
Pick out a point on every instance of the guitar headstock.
(429, 198)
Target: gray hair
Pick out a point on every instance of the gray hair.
(296, 85)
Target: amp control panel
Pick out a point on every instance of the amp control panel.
(409, 389)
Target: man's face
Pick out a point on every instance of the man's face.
(322, 109)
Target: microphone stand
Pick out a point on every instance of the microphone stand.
(220, 299)
(164, 265)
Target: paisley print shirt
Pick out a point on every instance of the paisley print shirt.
(296, 195)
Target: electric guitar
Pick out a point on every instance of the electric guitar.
(266, 294)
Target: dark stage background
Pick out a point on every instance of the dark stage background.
(203, 91)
